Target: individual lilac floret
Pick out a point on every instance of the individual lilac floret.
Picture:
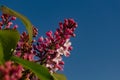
(51, 49)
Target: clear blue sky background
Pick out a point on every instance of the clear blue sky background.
(96, 53)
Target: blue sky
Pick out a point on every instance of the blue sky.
(96, 48)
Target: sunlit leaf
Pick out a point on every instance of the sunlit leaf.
(8, 42)
(41, 71)
(58, 76)
(25, 21)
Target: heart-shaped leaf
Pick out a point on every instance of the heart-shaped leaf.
(41, 71)
(8, 42)
(25, 21)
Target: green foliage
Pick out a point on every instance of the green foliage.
(1, 54)
(8, 42)
(57, 76)
(25, 21)
(41, 71)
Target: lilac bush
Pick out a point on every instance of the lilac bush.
(46, 51)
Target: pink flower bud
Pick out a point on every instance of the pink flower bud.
(7, 77)
(13, 18)
(61, 63)
(15, 27)
(61, 25)
(40, 39)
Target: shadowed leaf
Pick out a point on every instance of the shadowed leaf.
(8, 42)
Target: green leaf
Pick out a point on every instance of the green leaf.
(57, 76)
(25, 21)
(8, 42)
(1, 54)
(41, 71)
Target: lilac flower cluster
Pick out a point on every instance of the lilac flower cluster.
(47, 51)
(51, 49)
(24, 49)
(6, 22)
(10, 71)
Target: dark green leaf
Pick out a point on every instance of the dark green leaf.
(57, 76)
(41, 71)
(8, 42)
(25, 21)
